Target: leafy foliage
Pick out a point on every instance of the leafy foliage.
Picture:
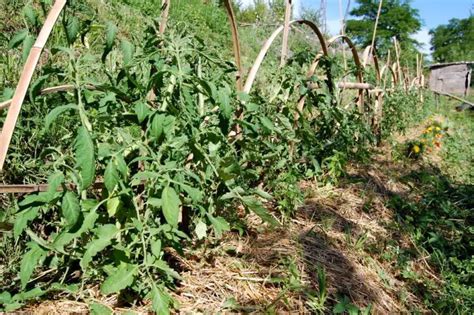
(453, 41)
(157, 134)
(397, 19)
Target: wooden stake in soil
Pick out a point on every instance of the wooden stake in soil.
(235, 42)
(397, 52)
(165, 7)
(376, 25)
(25, 79)
(286, 33)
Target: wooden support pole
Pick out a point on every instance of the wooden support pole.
(397, 53)
(165, 11)
(286, 33)
(375, 26)
(25, 79)
(355, 86)
(454, 97)
(52, 90)
(235, 43)
(34, 188)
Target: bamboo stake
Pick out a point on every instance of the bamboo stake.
(376, 25)
(25, 79)
(397, 52)
(33, 188)
(263, 51)
(52, 90)
(165, 7)
(235, 42)
(355, 55)
(69, 87)
(454, 97)
(286, 33)
(355, 86)
(342, 33)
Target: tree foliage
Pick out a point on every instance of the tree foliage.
(397, 19)
(261, 10)
(453, 41)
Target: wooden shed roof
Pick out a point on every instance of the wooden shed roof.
(446, 64)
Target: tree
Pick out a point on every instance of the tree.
(397, 19)
(263, 10)
(453, 41)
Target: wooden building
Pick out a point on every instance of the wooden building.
(453, 78)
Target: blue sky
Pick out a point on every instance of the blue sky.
(432, 12)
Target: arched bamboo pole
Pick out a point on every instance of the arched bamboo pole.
(235, 42)
(360, 68)
(392, 71)
(258, 61)
(25, 79)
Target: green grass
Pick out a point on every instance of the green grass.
(458, 153)
(439, 218)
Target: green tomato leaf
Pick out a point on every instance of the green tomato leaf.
(85, 157)
(219, 224)
(5, 297)
(17, 39)
(156, 248)
(171, 205)
(112, 206)
(127, 50)
(122, 278)
(30, 15)
(142, 111)
(28, 43)
(99, 309)
(71, 208)
(111, 176)
(29, 262)
(160, 301)
(104, 236)
(110, 34)
(55, 113)
(253, 204)
(72, 30)
(21, 220)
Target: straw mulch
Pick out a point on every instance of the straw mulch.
(346, 230)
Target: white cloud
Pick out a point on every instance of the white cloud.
(423, 37)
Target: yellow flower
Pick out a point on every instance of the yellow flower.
(416, 149)
(438, 128)
(430, 129)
